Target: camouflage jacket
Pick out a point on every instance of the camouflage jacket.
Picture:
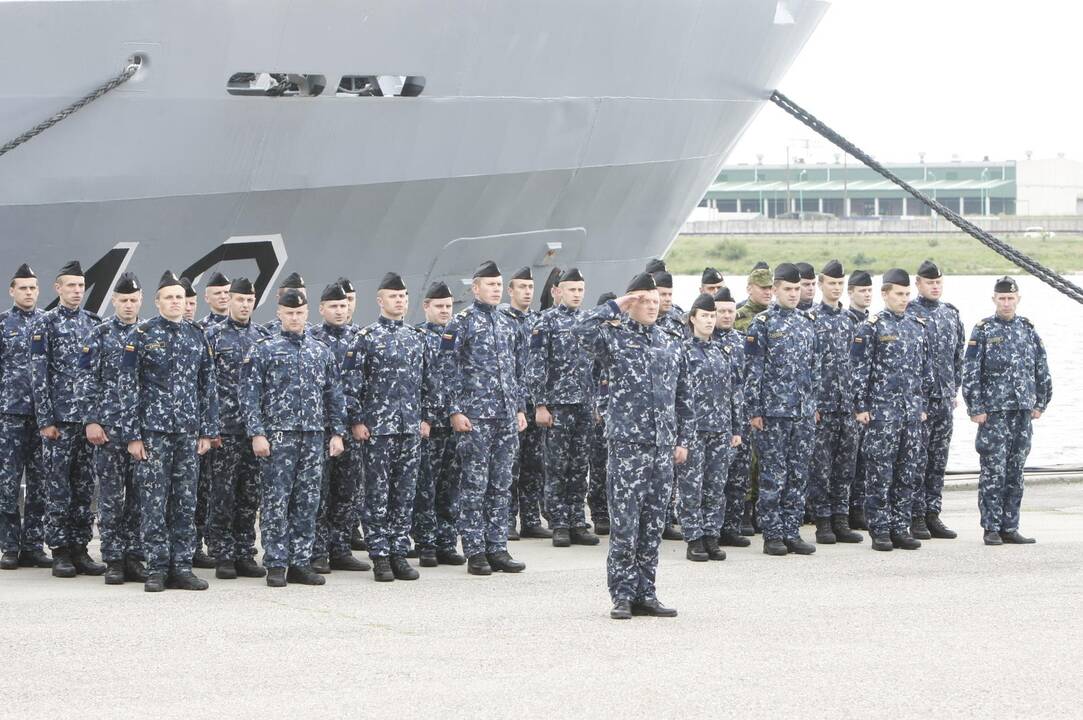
(715, 381)
(782, 364)
(835, 335)
(1005, 368)
(16, 395)
(947, 339)
(745, 314)
(211, 318)
(892, 372)
(230, 342)
(525, 321)
(98, 386)
(483, 381)
(340, 341)
(560, 366)
(436, 401)
(56, 344)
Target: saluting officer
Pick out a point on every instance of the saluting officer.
(737, 476)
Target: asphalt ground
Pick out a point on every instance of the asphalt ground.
(955, 629)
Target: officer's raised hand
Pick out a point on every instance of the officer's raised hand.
(461, 423)
(335, 446)
(260, 446)
(95, 434)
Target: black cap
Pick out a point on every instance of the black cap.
(787, 272)
(293, 298)
(292, 281)
(72, 267)
(704, 302)
(860, 278)
(761, 265)
(723, 295)
(217, 280)
(655, 265)
(170, 278)
(710, 276)
(833, 269)
(186, 283)
(438, 291)
(242, 286)
(642, 281)
(806, 270)
(929, 270)
(127, 283)
(392, 281)
(487, 269)
(24, 271)
(571, 275)
(523, 273)
(896, 276)
(347, 286)
(333, 291)
(663, 279)
(606, 297)
(1005, 285)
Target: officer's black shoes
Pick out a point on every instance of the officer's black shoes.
(583, 536)
(710, 543)
(882, 543)
(84, 564)
(747, 528)
(62, 564)
(653, 608)
(732, 539)
(349, 563)
(537, 532)
(601, 526)
(304, 575)
(402, 569)
(35, 558)
(155, 582)
(502, 561)
(225, 569)
(696, 552)
(276, 577)
(798, 546)
(427, 557)
(249, 568)
(513, 534)
(857, 519)
(357, 543)
(774, 547)
(840, 524)
(321, 565)
(479, 565)
(202, 560)
(622, 610)
(919, 528)
(938, 528)
(905, 541)
(185, 580)
(412, 553)
(1012, 537)
(825, 532)
(672, 532)
(562, 537)
(133, 569)
(10, 560)
(449, 557)
(114, 572)
(381, 570)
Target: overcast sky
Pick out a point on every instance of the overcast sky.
(944, 77)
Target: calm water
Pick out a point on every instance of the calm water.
(1057, 438)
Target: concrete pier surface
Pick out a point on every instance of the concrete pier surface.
(955, 629)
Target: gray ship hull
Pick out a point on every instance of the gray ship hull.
(548, 133)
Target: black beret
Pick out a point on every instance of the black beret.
(929, 270)
(169, 278)
(186, 283)
(806, 270)
(860, 278)
(710, 276)
(72, 267)
(293, 298)
(523, 273)
(24, 271)
(391, 281)
(833, 269)
(293, 280)
(642, 281)
(438, 291)
(217, 280)
(705, 301)
(571, 275)
(787, 272)
(487, 269)
(606, 297)
(1005, 285)
(723, 295)
(347, 286)
(663, 279)
(896, 276)
(655, 265)
(761, 265)
(333, 291)
(127, 283)
(242, 286)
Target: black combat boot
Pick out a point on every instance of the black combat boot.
(583, 536)
(402, 569)
(601, 526)
(537, 532)
(449, 557)
(357, 543)
(1013, 537)
(714, 552)
(672, 532)
(249, 568)
(841, 525)
(798, 546)
(412, 553)
(622, 610)
(185, 580)
(202, 560)
(774, 547)
(427, 557)
(696, 552)
(10, 560)
(513, 532)
(276, 577)
(825, 533)
(155, 583)
(733, 539)
(653, 608)
(349, 563)
(84, 564)
(381, 570)
(114, 572)
(304, 575)
(562, 537)
(479, 565)
(904, 540)
(919, 529)
(133, 569)
(321, 565)
(857, 519)
(502, 561)
(937, 527)
(62, 564)
(882, 543)
(225, 569)
(35, 558)
(747, 528)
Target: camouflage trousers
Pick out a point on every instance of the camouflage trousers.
(857, 486)
(203, 493)
(833, 459)
(486, 454)
(166, 482)
(893, 461)
(738, 482)
(1003, 444)
(119, 504)
(640, 484)
(598, 457)
(936, 437)
(290, 480)
(20, 452)
(783, 446)
(69, 487)
(390, 487)
(338, 499)
(567, 465)
(436, 504)
(528, 477)
(701, 483)
(233, 500)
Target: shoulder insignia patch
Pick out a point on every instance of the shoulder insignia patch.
(874, 318)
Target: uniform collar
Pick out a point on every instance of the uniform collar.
(897, 316)
(830, 310)
(859, 311)
(335, 329)
(784, 311)
(66, 311)
(171, 324)
(927, 302)
(570, 311)
(293, 337)
(237, 324)
(389, 322)
(435, 326)
(24, 313)
(1002, 321)
(755, 306)
(639, 327)
(121, 324)
(515, 312)
(483, 306)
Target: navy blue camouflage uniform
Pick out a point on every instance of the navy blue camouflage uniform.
(598, 452)
(206, 461)
(528, 472)
(857, 486)
(738, 480)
